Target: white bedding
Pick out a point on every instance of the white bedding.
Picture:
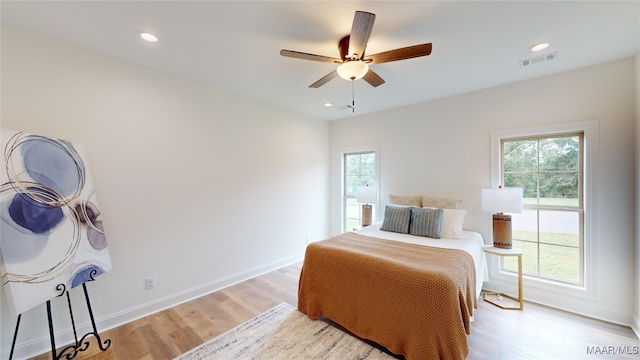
(471, 242)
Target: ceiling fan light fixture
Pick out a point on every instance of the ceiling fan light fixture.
(353, 70)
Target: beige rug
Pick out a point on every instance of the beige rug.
(283, 332)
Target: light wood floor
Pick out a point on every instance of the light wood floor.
(538, 332)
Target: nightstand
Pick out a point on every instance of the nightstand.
(494, 298)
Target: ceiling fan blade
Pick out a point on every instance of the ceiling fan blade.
(373, 79)
(307, 56)
(404, 53)
(360, 31)
(325, 79)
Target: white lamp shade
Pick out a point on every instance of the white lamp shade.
(352, 70)
(367, 195)
(506, 200)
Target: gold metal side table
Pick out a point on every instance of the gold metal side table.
(506, 252)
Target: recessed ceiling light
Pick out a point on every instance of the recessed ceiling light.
(328, 104)
(148, 37)
(540, 47)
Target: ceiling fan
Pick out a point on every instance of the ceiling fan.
(354, 63)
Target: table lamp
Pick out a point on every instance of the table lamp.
(500, 201)
(367, 195)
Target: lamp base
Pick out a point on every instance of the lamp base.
(502, 231)
(366, 215)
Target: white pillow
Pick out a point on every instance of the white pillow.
(452, 221)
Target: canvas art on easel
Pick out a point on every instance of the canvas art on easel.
(51, 228)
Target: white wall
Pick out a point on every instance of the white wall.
(636, 322)
(198, 188)
(442, 148)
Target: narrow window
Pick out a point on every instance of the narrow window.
(359, 170)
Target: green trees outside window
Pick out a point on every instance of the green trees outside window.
(359, 170)
(549, 230)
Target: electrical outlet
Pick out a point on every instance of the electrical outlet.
(150, 283)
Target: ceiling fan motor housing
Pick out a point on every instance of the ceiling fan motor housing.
(343, 47)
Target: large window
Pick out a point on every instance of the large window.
(550, 229)
(359, 170)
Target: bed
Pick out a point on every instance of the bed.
(414, 295)
(469, 241)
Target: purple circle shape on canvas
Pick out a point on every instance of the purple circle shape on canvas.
(87, 212)
(86, 273)
(96, 238)
(18, 245)
(37, 217)
(52, 165)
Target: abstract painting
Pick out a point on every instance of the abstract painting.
(51, 229)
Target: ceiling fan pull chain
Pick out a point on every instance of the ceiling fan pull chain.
(353, 97)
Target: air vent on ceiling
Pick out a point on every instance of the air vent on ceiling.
(538, 59)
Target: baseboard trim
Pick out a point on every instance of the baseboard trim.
(636, 326)
(65, 337)
(576, 306)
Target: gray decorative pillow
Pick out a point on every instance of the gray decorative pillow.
(396, 219)
(426, 222)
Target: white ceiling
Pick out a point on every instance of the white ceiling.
(234, 45)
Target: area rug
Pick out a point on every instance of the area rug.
(283, 332)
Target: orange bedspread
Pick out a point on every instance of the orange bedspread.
(414, 300)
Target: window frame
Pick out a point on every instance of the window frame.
(590, 131)
(343, 197)
(579, 209)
